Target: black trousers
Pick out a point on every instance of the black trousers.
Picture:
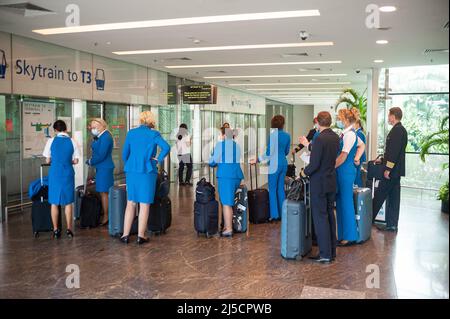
(388, 190)
(185, 160)
(324, 222)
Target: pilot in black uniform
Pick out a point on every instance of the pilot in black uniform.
(394, 169)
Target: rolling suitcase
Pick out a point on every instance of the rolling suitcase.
(160, 217)
(375, 173)
(206, 208)
(240, 210)
(362, 198)
(258, 202)
(79, 191)
(296, 226)
(41, 219)
(117, 205)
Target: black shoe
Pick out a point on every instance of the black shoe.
(57, 233)
(125, 239)
(347, 244)
(321, 260)
(142, 240)
(69, 233)
(188, 184)
(387, 228)
(181, 183)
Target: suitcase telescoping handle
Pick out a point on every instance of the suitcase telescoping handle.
(41, 172)
(89, 169)
(251, 176)
(307, 200)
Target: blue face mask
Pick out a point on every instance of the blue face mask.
(95, 132)
(339, 124)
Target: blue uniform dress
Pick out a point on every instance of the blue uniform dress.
(276, 152)
(141, 171)
(345, 209)
(226, 156)
(102, 161)
(61, 177)
(358, 179)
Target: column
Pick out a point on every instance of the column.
(3, 193)
(372, 112)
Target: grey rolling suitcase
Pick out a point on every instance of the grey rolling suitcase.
(117, 204)
(296, 232)
(363, 209)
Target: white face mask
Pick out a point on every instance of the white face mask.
(95, 132)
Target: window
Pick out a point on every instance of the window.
(422, 93)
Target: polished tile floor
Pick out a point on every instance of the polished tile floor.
(412, 264)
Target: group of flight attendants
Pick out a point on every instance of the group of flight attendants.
(140, 158)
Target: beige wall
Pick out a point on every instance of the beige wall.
(303, 116)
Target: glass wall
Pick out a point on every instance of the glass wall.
(24, 169)
(423, 94)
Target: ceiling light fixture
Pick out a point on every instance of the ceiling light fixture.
(271, 76)
(227, 48)
(292, 83)
(388, 9)
(180, 21)
(378, 61)
(382, 41)
(248, 64)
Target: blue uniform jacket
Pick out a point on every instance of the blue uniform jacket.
(277, 147)
(140, 147)
(102, 151)
(226, 156)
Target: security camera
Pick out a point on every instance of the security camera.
(358, 71)
(304, 35)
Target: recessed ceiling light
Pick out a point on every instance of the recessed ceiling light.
(180, 21)
(382, 41)
(378, 61)
(270, 76)
(227, 48)
(388, 9)
(292, 83)
(248, 64)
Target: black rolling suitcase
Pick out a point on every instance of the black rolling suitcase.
(206, 208)
(79, 191)
(90, 208)
(160, 217)
(41, 219)
(258, 202)
(240, 210)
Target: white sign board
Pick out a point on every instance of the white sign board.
(44, 69)
(37, 120)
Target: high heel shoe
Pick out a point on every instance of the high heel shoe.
(57, 233)
(227, 234)
(125, 239)
(69, 233)
(142, 240)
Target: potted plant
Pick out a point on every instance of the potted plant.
(438, 140)
(352, 99)
(443, 197)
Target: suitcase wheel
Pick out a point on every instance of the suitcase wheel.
(36, 234)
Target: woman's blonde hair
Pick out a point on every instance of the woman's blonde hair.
(348, 115)
(356, 113)
(100, 121)
(147, 118)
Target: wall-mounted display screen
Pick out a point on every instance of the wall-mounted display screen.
(199, 94)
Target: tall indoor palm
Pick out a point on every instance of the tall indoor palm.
(352, 99)
(437, 140)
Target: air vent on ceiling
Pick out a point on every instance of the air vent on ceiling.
(178, 59)
(26, 9)
(216, 71)
(445, 27)
(430, 51)
(294, 55)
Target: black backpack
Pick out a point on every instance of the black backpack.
(205, 192)
(162, 184)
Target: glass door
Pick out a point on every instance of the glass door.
(116, 117)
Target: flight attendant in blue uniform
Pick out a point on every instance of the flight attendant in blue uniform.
(101, 159)
(226, 156)
(360, 133)
(61, 152)
(139, 156)
(351, 149)
(277, 149)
